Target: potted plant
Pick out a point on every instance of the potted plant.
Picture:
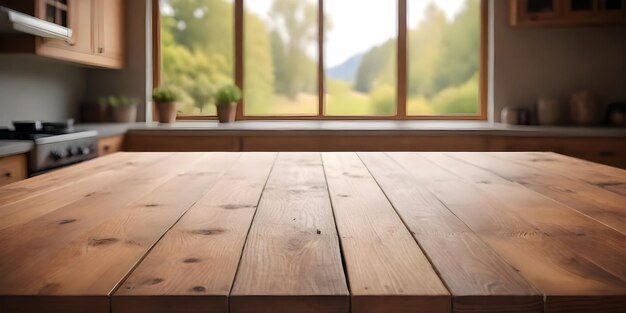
(123, 108)
(226, 100)
(165, 100)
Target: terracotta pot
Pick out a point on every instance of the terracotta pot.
(124, 113)
(167, 112)
(226, 113)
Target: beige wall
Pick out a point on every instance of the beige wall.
(34, 88)
(555, 61)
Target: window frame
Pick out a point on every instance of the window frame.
(401, 69)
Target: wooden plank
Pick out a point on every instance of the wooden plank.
(478, 279)
(98, 242)
(44, 201)
(598, 243)
(387, 271)
(558, 270)
(193, 266)
(291, 261)
(603, 176)
(605, 150)
(59, 178)
(595, 202)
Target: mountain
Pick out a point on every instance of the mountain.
(347, 70)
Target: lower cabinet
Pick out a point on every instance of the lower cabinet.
(108, 145)
(13, 168)
(605, 150)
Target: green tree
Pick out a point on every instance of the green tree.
(460, 48)
(377, 66)
(295, 28)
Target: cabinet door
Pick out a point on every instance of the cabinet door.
(581, 9)
(12, 169)
(110, 39)
(537, 10)
(613, 9)
(75, 14)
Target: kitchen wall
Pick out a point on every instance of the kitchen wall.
(32, 87)
(555, 61)
(132, 80)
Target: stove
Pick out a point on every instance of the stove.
(55, 144)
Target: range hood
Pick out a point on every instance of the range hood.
(12, 21)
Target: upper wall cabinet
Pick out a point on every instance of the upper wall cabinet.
(97, 31)
(538, 13)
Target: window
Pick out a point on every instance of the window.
(443, 58)
(326, 59)
(280, 58)
(360, 50)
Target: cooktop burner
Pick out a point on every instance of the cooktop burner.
(55, 144)
(32, 130)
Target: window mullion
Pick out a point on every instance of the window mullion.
(401, 63)
(321, 86)
(239, 46)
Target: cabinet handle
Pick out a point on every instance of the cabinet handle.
(100, 50)
(8, 175)
(107, 148)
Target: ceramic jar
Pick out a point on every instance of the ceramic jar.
(549, 111)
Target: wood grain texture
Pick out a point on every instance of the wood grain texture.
(193, 266)
(63, 177)
(42, 200)
(406, 232)
(603, 176)
(387, 271)
(595, 202)
(543, 259)
(476, 276)
(87, 255)
(593, 240)
(292, 252)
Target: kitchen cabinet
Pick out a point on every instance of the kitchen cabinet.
(110, 145)
(545, 13)
(97, 31)
(605, 150)
(13, 168)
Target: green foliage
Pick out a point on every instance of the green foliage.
(294, 71)
(281, 78)
(162, 95)
(383, 99)
(374, 64)
(227, 95)
(462, 99)
(119, 101)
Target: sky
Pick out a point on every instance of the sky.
(358, 24)
(361, 24)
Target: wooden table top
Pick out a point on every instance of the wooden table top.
(316, 233)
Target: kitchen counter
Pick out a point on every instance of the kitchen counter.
(13, 147)
(370, 128)
(316, 233)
